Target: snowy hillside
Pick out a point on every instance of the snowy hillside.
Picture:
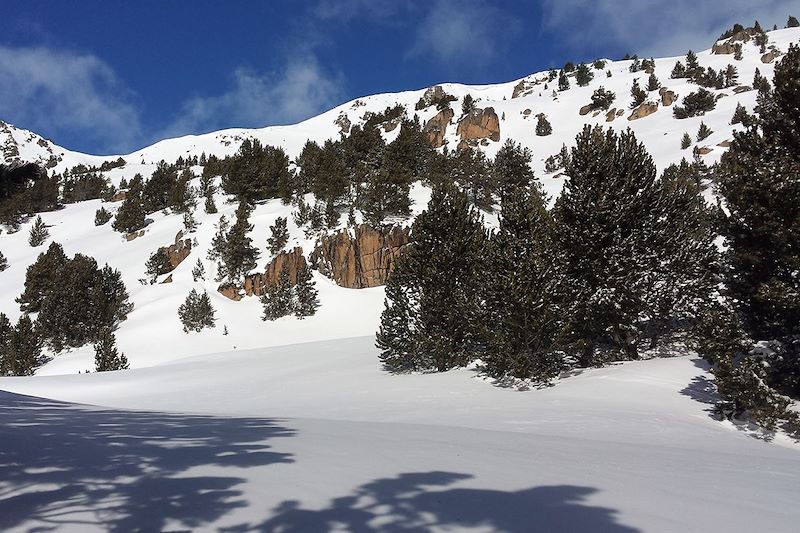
(152, 334)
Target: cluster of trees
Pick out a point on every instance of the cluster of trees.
(76, 303)
(167, 188)
(25, 190)
(622, 254)
(283, 298)
(196, 312)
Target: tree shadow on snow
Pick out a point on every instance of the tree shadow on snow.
(419, 502)
(65, 464)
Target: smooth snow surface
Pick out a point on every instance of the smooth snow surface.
(316, 437)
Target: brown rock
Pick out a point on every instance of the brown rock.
(728, 46)
(179, 251)
(255, 284)
(480, 124)
(431, 95)
(362, 259)
(585, 110)
(436, 127)
(769, 57)
(119, 196)
(705, 150)
(168, 279)
(520, 89)
(390, 125)
(667, 97)
(620, 112)
(134, 234)
(526, 113)
(611, 115)
(725, 144)
(643, 110)
(742, 89)
(230, 291)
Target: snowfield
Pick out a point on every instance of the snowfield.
(316, 437)
(293, 426)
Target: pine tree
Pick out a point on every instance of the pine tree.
(792, 22)
(157, 191)
(512, 167)
(737, 52)
(563, 81)
(678, 71)
(3, 262)
(199, 271)
(440, 280)
(279, 237)
(602, 99)
(704, 132)
(130, 216)
(583, 75)
(24, 348)
(523, 327)
(157, 264)
(106, 356)
(686, 141)
(652, 83)
(638, 94)
(196, 312)
(41, 276)
(635, 65)
(306, 292)
(39, 233)
(468, 105)
(189, 222)
(236, 252)
(543, 127)
(741, 116)
(101, 216)
(695, 104)
(277, 299)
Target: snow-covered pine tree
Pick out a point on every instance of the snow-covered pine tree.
(39, 233)
(306, 293)
(279, 235)
(563, 81)
(583, 75)
(543, 126)
(638, 94)
(395, 338)
(199, 271)
(652, 83)
(101, 216)
(278, 300)
(523, 327)
(3, 262)
(196, 312)
(106, 356)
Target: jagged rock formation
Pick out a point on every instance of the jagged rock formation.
(178, 251)
(643, 110)
(343, 122)
(431, 96)
(667, 97)
(585, 110)
(255, 284)
(611, 115)
(360, 259)
(769, 57)
(436, 127)
(478, 125)
(728, 46)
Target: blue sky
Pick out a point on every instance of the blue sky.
(106, 76)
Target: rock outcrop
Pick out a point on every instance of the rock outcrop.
(360, 259)
(179, 251)
(728, 46)
(480, 124)
(585, 110)
(667, 97)
(255, 284)
(769, 57)
(611, 115)
(431, 96)
(343, 122)
(643, 110)
(436, 127)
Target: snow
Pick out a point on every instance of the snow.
(316, 437)
(293, 426)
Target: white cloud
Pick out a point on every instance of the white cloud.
(465, 32)
(300, 91)
(58, 91)
(347, 10)
(656, 27)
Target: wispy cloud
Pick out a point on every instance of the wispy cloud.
(302, 89)
(60, 91)
(347, 10)
(655, 27)
(465, 32)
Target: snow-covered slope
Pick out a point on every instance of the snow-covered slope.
(316, 437)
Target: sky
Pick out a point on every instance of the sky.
(108, 77)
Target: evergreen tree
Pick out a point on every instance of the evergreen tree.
(511, 168)
(306, 291)
(563, 81)
(472, 172)
(189, 222)
(279, 237)
(440, 276)
(386, 193)
(703, 132)
(468, 105)
(602, 99)
(792, 22)
(652, 83)
(256, 172)
(731, 76)
(196, 312)
(157, 264)
(638, 94)
(678, 71)
(523, 327)
(6, 330)
(199, 271)
(277, 299)
(686, 141)
(24, 351)
(39, 233)
(130, 216)
(101, 216)
(695, 104)
(157, 191)
(692, 65)
(3, 262)
(237, 254)
(741, 116)
(543, 127)
(106, 356)
(41, 276)
(583, 75)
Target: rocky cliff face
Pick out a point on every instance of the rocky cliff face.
(479, 125)
(436, 127)
(294, 260)
(179, 251)
(363, 258)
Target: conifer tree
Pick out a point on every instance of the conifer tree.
(196, 312)
(386, 193)
(6, 330)
(24, 348)
(130, 216)
(703, 132)
(277, 299)
(157, 191)
(686, 141)
(511, 168)
(39, 233)
(306, 292)
(440, 276)
(106, 356)
(678, 71)
(563, 81)
(523, 326)
(792, 22)
(199, 271)
(101, 216)
(543, 127)
(236, 253)
(395, 336)
(602, 99)
(3, 262)
(638, 94)
(652, 83)
(157, 264)
(279, 235)
(583, 75)
(41, 276)
(468, 105)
